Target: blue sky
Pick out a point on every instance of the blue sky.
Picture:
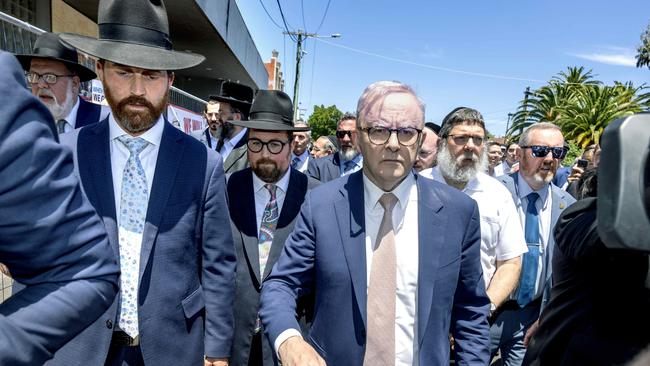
(479, 54)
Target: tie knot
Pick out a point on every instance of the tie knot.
(271, 188)
(134, 144)
(532, 197)
(388, 201)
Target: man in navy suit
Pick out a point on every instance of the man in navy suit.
(54, 75)
(162, 198)
(265, 200)
(393, 259)
(539, 204)
(51, 239)
(346, 161)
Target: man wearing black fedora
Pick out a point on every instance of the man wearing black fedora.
(232, 103)
(265, 200)
(161, 196)
(54, 76)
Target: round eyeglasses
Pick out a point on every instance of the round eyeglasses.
(273, 146)
(462, 140)
(406, 136)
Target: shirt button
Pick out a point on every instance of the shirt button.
(109, 324)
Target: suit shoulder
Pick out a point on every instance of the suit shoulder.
(449, 196)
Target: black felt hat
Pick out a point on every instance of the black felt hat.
(272, 110)
(49, 45)
(238, 95)
(134, 33)
(434, 127)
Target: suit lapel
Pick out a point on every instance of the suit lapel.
(243, 213)
(170, 154)
(208, 140)
(431, 238)
(94, 160)
(334, 170)
(350, 216)
(292, 201)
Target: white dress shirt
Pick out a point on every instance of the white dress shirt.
(502, 236)
(213, 140)
(262, 196)
(71, 118)
(229, 144)
(405, 224)
(302, 162)
(120, 155)
(544, 207)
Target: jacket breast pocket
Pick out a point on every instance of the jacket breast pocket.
(193, 303)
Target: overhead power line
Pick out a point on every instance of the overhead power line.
(324, 15)
(440, 68)
(284, 20)
(269, 15)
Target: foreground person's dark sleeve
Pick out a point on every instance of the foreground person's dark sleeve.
(51, 238)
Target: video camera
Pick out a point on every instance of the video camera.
(624, 184)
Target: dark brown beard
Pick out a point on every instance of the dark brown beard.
(135, 122)
(267, 170)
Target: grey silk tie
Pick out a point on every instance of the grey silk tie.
(380, 342)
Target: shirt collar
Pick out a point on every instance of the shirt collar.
(235, 139)
(357, 159)
(372, 193)
(71, 118)
(282, 184)
(524, 189)
(152, 135)
(302, 156)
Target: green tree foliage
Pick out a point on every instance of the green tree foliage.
(643, 51)
(580, 105)
(323, 121)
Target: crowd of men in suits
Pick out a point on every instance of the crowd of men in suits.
(248, 243)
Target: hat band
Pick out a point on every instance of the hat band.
(49, 52)
(131, 34)
(270, 116)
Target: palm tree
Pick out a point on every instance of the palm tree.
(547, 103)
(595, 106)
(643, 55)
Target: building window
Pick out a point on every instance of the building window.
(21, 9)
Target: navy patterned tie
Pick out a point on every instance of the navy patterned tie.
(531, 258)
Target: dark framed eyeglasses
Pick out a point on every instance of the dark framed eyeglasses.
(406, 136)
(542, 151)
(462, 140)
(49, 78)
(341, 134)
(273, 146)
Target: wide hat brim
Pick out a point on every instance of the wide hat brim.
(237, 103)
(83, 72)
(268, 125)
(133, 54)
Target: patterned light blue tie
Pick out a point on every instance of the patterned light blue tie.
(267, 227)
(348, 167)
(530, 259)
(294, 162)
(133, 211)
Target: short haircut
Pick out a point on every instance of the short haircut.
(346, 117)
(525, 137)
(510, 143)
(301, 123)
(211, 101)
(377, 91)
(492, 143)
(459, 116)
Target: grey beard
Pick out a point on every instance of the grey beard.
(348, 154)
(450, 169)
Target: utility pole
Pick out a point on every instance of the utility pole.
(508, 122)
(300, 37)
(526, 94)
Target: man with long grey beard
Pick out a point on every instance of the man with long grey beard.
(462, 161)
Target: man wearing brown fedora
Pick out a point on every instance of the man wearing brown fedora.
(54, 76)
(265, 200)
(161, 196)
(232, 103)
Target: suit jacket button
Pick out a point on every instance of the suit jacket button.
(109, 324)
